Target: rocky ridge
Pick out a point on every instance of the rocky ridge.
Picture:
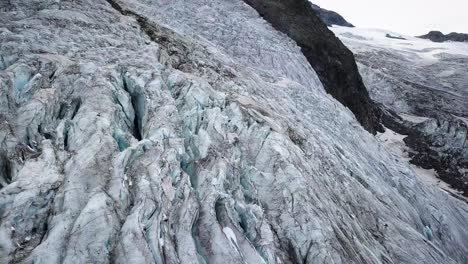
(437, 36)
(330, 17)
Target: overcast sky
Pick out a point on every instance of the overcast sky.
(411, 17)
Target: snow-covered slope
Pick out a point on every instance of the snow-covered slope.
(419, 78)
(414, 75)
(129, 136)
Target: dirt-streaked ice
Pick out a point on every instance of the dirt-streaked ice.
(146, 140)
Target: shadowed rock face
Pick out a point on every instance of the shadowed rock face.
(191, 131)
(437, 36)
(394, 37)
(333, 62)
(330, 17)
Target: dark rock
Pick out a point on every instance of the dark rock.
(330, 17)
(437, 36)
(439, 143)
(333, 62)
(394, 37)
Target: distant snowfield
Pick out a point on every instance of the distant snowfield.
(427, 50)
(403, 73)
(394, 143)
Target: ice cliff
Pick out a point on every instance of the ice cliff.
(155, 131)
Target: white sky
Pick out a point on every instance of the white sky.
(411, 17)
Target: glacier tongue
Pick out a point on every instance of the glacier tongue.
(129, 136)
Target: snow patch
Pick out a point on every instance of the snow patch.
(446, 73)
(231, 236)
(413, 118)
(394, 142)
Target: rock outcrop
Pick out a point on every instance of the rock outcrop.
(170, 132)
(437, 36)
(442, 144)
(394, 37)
(439, 143)
(330, 17)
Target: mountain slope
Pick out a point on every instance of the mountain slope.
(419, 78)
(330, 18)
(128, 136)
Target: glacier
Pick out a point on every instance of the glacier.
(155, 131)
(423, 88)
